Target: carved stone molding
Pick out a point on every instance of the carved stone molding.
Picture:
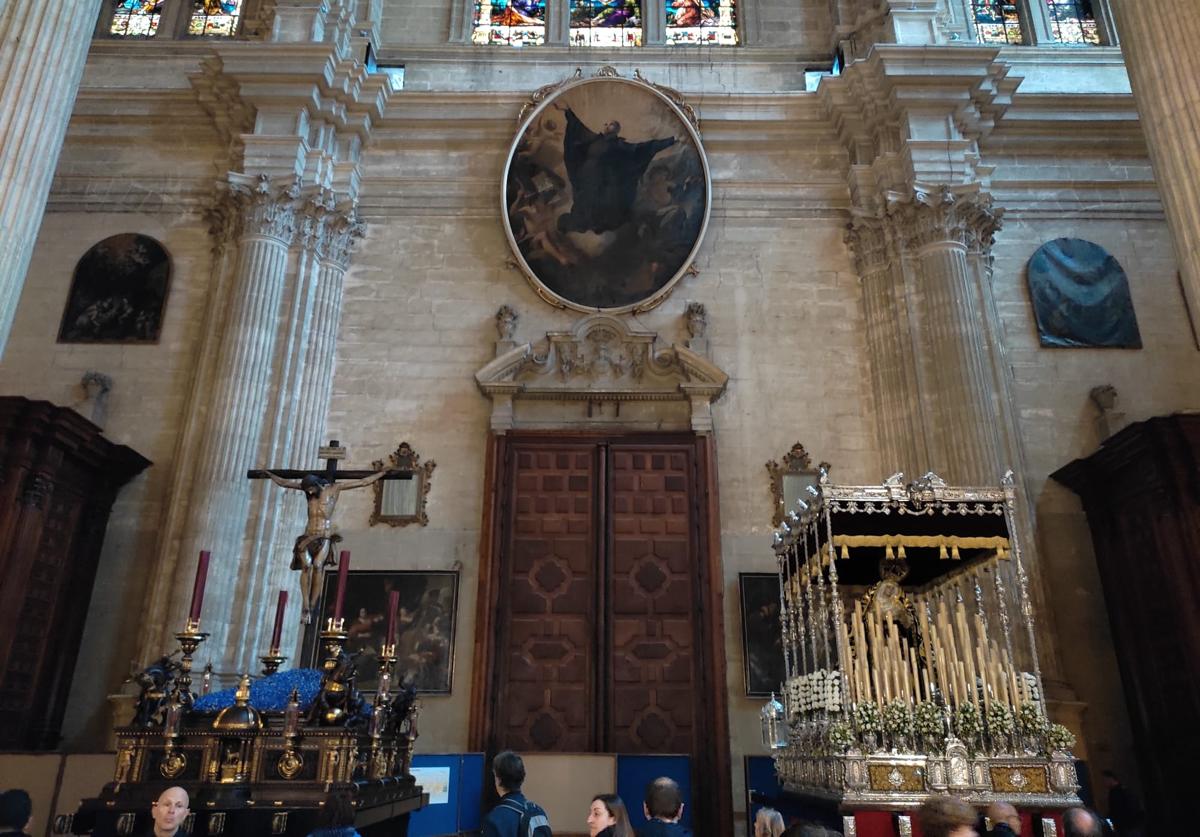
(601, 359)
(341, 232)
(870, 240)
(929, 216)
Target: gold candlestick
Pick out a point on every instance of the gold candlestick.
(189, 640)
(271, 662)
(333, 639)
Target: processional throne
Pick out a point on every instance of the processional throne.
(911, 653)
(264, 758)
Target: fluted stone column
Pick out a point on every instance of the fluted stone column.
(218, 510)
(43, 48)
(901, 439)
(327, 236)
(1159, 39)
(954, 371)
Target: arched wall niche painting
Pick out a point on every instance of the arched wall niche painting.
(1081, 298)
(118, 292)
(606, 193)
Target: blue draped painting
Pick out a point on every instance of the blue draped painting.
(1081, 297)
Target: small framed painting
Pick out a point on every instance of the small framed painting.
(762, 634)
(118, 292)
(424, 625)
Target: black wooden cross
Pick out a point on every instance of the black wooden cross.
(331, 453)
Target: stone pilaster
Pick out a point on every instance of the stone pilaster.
(1158, 38)
(216, 513)
(43, 49)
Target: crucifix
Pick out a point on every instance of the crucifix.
(314, 550)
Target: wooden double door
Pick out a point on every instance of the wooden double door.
(604, 630)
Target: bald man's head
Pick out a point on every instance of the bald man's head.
(1002, 812)
(169, 811)
(1080, 822)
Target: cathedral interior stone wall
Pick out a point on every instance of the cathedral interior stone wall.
(778, 280)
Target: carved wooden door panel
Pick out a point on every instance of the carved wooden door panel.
(596, 647)
(653, 601)
(546, 651)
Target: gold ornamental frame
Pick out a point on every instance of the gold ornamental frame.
(545, 97)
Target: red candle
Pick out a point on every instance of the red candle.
(343, 568)
(277, 634)
(393, 606)
(198, 587)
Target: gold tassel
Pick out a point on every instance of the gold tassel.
(900, 552)
(942, 552)
(954, 553)
(845, 552)
(890, 554)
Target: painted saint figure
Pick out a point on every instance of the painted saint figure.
(314, 549)
(605, 171)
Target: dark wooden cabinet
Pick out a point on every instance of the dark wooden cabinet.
(1141, 492)
(58, 479)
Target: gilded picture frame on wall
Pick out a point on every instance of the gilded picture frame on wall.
(606, 193)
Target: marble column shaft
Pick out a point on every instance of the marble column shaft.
(218, 509)
(1159, 39)
(43, 49)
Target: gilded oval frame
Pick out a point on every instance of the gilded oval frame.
(691, 216)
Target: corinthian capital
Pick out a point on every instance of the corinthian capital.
(871, 241)
(340, 232)
(937, 215)
(266, 209)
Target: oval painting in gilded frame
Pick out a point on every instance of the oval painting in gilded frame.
(606, 195)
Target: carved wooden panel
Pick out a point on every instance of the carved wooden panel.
(548, 584)
(58, 479)
(653, 602)
(1141, 492)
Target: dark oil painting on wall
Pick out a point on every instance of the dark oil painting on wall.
(118, 292)
(424, 625)
(762, 637)
(606, 194)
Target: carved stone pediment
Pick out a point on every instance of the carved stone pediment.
(598, 359)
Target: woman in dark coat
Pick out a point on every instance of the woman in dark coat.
(607, 817)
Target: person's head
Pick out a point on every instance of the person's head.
(509, 772)
(337, 812)
(16, 809)
(1080, 822)
(169, 811)
(608, 811)
(1002, 812)
(1110, 779)
(663, 800)
(612, 128)
(947, 816)
(768, 823)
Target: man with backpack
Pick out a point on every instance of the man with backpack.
(515, 816)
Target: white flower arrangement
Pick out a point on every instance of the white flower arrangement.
(866, 717)
(1031, 720)
(897, 718)
(1059, 737)
(999, 719)
(927, 719)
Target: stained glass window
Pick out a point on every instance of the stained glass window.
(510, 22)
(214, 17)
(1073, 22)
(135, 18)
(606, 23)
(997, 22)
(702, 22)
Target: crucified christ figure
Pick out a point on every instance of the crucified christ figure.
(314, 549)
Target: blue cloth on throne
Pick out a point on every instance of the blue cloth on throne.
(269, 694)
